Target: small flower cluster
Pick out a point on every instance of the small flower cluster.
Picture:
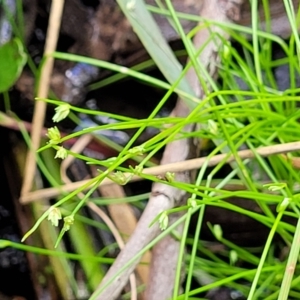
(61, 112)
(54, 139)
(54, 217)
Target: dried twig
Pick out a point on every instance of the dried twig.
(123, 216)
(166, 252)
(187, 165)
(40, 106)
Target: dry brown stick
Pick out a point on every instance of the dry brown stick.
(123, 216)
(43, 88)
(163, 265)
(166, 251)
(97, 210)
(187, 165)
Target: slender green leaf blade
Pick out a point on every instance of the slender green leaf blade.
(151, 37)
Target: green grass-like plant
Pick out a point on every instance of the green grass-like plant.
(244, 108)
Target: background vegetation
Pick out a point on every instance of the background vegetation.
(247, 107)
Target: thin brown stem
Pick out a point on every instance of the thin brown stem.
(191, 164)
(43, 88)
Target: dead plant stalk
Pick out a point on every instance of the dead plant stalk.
(164, 197)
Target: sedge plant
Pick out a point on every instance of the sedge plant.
(244, 108)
